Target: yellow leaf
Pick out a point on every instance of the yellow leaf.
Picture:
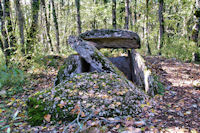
(10, 103)
(143, 105)
(61, 106)
(1, 110)
(47, 117)
(194, 131)
(12, 99)
(17, 100)
(153, 111)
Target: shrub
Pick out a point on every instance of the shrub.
(11, 79)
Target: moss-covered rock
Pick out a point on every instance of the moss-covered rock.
(71, 66)
(105, 92)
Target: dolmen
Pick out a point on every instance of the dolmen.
(90, 84)
(133, 66)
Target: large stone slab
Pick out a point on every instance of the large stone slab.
(95, 58)
(142, 75)
(106, 38)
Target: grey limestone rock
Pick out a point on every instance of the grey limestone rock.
(106, 38)
(143, 76)
(71, 66)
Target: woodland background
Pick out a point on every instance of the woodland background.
(35, 32)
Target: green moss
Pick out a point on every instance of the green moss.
(160, 87)
(36, 111)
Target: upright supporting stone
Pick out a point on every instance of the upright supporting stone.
(142, 74)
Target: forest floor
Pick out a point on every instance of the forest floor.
(178, 110)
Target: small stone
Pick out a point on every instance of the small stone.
(3, 93)
(140, 123)
(194, 106)
(188, 112)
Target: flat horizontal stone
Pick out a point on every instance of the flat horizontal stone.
(105, 38)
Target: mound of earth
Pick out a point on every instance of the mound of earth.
(104, 94)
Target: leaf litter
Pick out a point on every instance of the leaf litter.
(178, 110)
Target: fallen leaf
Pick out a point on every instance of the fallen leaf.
(47, 117)
(83, 114)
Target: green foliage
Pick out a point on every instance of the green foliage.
(180, 48)
(11, 79)
(160, 87)
(36, 111)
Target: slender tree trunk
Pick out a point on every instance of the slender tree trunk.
(31, 35)
(127, 14)
(1, 28)
(196, 29)
(131, 16)
(78, 15)
(47, 25)
(20, 18)
(135, 16)
(114, 22)
(56, 26)
(148, 51)
(161, 21)
(10, 36)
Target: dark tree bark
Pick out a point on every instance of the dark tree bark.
(114, 22)
(31, 35)
(20, 18)
(148, 51)
(78, 16)
(47, 25)
(135, 16)
(161, 21)
(196, 28)
(56, 26)
(131, 16)
(127, 14)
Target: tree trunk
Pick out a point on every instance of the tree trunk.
(1, 21)
(78, 16)
(114, 22)
(131, 17)
(161, 21)
(31, 35)
(127, 14)
(196, 28)
(135, 16)
(47, 24)
(56, 26)
(148, 51)
(9, 36)
(20, 18)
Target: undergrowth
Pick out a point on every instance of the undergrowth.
(11, 80)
